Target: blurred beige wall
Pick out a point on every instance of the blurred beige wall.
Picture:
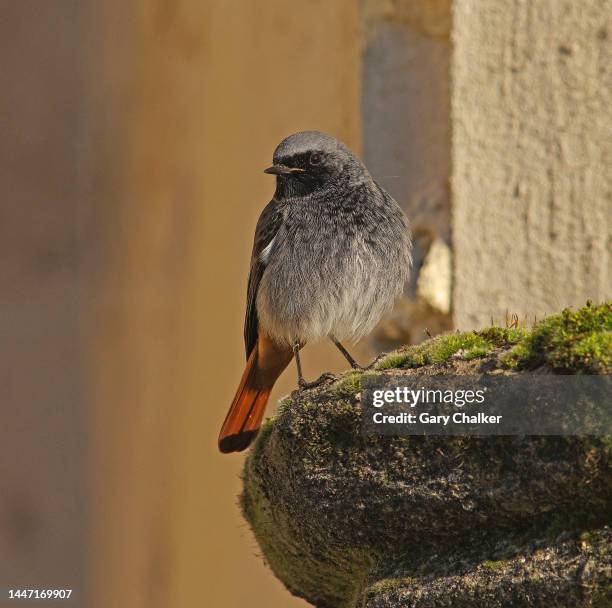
(185, 104)
(43, 427)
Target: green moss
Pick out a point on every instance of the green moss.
(502, 336)
(572, 341)
(388, 585)
(445, 346)
(493, 565)
(348, 386)
(392, 360)
(513, 359)
(477, 351)
(435, 350)
(594, 350)
(283, 405)
(262, 438)
(439, 349)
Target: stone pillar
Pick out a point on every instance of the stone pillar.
(532, 156)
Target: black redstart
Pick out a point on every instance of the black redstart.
(332, 251)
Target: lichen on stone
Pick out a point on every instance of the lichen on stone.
(570, 573)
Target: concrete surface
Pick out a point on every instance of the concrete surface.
(532, 156)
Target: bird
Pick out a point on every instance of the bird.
(331, 253)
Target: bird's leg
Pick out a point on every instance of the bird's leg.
(346, 354)
(301, 382)
(296, 354)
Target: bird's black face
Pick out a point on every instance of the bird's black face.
(304, 172)
(310, 161)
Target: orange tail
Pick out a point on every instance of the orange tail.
(243, 420)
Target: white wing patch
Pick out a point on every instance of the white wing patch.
(265, 254)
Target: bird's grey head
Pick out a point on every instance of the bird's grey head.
(310, 160)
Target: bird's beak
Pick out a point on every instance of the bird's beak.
(282, 170)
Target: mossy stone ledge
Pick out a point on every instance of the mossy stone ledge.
(346, 520)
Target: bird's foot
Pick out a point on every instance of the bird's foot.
(380, 357)
(320, 380)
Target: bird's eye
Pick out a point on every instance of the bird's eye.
(315, 158)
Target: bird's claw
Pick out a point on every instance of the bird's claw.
(320, 380)
(373, 363)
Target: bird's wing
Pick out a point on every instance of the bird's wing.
(269, 222)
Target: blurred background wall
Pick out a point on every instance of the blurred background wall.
(134, 135)
(185, 104)
(44, 474)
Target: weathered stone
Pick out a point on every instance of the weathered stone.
(572, 573)
(531, 184)
(348, 520)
